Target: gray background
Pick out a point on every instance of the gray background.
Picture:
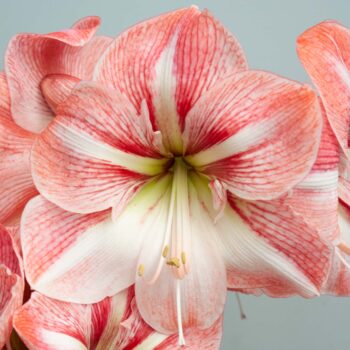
(267, 30)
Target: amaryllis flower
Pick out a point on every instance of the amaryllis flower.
(170, 171)
(31, 62)
(11, 283)
(113, 323)
(325, 53)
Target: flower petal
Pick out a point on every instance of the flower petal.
(11, 283)
(170, 61)
(256, 132)
(56, 88)
(30, 57)
(324, 51)
(200, 295)
(344, 178)
(5, 111)
(95, 150)
(84, 258)
(11, 294)
(16, 184)
(267, 247)
(316, 197)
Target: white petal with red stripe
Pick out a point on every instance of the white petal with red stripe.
(256, 132)
(95, 151)
(170, 61)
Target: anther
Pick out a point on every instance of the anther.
(174, 262)
(141, 270)
(183, 258)
(165, 251)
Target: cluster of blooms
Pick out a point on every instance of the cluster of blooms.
(144, 176)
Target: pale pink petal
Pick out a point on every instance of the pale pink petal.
(16, 184)
(56, 88)
(202, 291)
(324, 51)
(256, 132)
(5, 111)
(344, 178)
(170, 61)
(267, 247)
(84, 258)
(316, 197)
(94, 151)
(31, 57)
(11, 283)
(338, 282)
(11, 294)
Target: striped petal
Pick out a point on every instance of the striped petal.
(84, 258)
(30, 57)
(316, 197)
(16, 184)
(5, 111)
(170, 61)
(11, 284)
(324, 51)
(94, 151)
(113, 323)
(338, 282)
(256, 132)
(56, 88)
(267, 247)
(344, 178)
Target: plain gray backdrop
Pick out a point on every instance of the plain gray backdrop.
(267, 30)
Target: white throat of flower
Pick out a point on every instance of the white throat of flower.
(177, 237)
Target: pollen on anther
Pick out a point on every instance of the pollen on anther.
(165, 251)
(174, 262)
(183, 258)
(141, 270)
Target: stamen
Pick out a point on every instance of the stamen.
(141, 270)
(179, 314)
(174, 262)
(183, 258)
(165, 251)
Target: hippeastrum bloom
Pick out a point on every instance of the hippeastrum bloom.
(113, 323)
(31, 62)
(324, 51)
(170, 171)
(11, 283)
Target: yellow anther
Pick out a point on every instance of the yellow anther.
(165, 251)
(183, 258)
(174, 262)
(141, 270)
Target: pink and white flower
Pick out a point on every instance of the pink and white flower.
(171, 171)
(31, 62)
(324, 51)
(113, 323)
(11, 283)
